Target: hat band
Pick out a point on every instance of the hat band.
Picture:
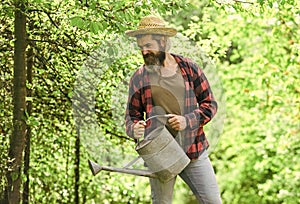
(151, 26)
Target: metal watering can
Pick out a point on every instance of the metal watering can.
(161, 153)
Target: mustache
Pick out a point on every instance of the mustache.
(148, 55)
(160, 56)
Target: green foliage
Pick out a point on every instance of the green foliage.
(255, 47)
(6, 67)
(258, 58)
(62, 35)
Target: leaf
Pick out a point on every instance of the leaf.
(78, 22)
(95, 27)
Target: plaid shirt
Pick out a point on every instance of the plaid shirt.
(200, 105)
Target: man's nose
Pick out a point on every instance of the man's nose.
(144, 51)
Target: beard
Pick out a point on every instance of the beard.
(154, 59)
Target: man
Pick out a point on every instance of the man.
(180, 89)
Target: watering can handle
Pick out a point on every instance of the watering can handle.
(157, 116)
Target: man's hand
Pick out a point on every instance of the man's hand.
(139, 129)
(177, 122)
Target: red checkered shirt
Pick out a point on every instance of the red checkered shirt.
(200, 105)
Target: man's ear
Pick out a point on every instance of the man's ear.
(163, 41)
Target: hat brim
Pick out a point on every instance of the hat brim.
(159, 31)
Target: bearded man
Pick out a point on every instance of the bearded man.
(179, 87)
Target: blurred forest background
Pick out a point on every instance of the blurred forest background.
(65, 67)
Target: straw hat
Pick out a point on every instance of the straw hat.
(152, 25)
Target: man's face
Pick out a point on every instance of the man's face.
(153, 51)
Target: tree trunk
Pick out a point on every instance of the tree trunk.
(17, 139)
(77, 164)
(28, 132)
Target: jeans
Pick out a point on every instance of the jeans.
(198, 175)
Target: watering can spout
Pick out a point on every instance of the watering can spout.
(96, 168)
